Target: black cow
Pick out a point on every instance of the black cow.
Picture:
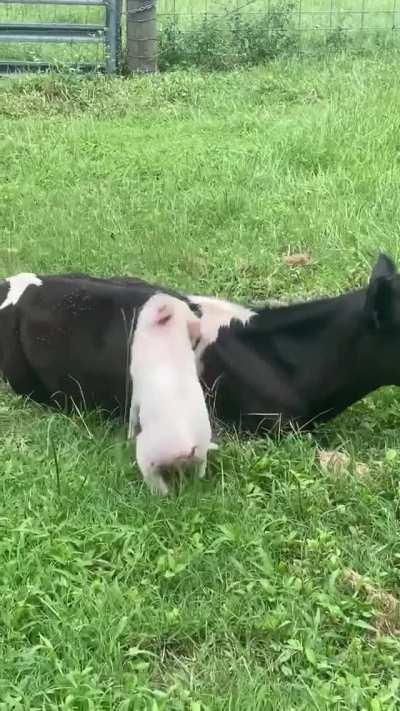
(67, 338)
(309, 361)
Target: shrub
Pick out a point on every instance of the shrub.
(233, 40)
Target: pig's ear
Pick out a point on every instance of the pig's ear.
(194, 330)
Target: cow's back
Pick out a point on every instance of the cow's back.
(67, 340)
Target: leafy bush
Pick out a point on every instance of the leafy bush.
(236, 39)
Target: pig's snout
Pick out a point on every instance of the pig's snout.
(187, 455)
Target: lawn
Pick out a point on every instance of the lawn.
(241, 592)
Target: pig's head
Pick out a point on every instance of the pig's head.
(162, 310)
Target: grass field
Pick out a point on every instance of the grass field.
(235, 593)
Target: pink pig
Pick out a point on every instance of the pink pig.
(168, 401)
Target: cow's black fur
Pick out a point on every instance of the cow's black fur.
(301, 363)
(308, 362)
(68, 340)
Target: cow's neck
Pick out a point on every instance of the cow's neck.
(350, 377)
(328, 351)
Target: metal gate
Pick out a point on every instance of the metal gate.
(106, 32)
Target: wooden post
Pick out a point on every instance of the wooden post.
(141, 35)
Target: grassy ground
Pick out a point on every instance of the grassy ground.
(236, 593)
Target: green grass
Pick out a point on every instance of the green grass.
(231, 594)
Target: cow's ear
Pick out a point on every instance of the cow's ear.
(379, 302)
(384, 267)
(380, 293)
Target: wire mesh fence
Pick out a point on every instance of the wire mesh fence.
(306, 14)
(214, 34)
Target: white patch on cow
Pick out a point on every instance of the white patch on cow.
(18, 284)
(216, 313)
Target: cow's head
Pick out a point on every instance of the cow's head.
(382, 308)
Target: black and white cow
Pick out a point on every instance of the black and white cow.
(66, 338)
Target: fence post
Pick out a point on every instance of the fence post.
(113, 15)
(141, 35)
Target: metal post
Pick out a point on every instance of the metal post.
(112, 40)
(141, 35)
(362, 14)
